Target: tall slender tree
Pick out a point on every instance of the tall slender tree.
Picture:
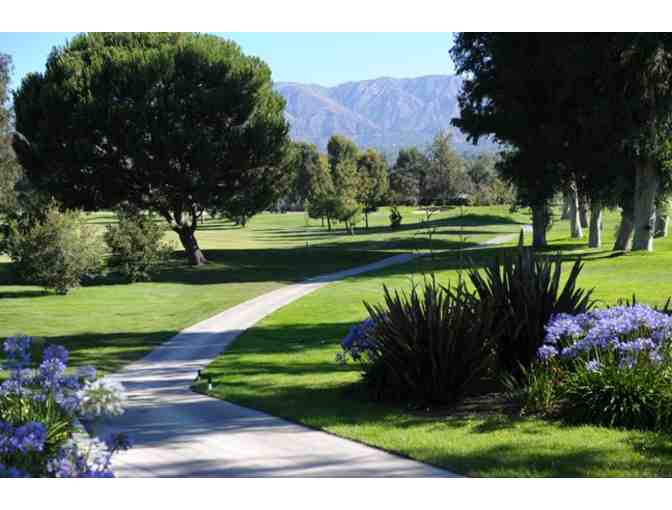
(373, 181)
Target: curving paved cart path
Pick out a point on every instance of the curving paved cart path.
(181, 433)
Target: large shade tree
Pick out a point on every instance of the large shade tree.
(170, 122)
(571, 100)
(511, 81)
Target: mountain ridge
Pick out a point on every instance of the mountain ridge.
(384, 113)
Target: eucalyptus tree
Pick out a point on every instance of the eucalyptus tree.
(510, 84)
(169, 122)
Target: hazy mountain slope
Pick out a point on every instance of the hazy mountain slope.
(386, 113)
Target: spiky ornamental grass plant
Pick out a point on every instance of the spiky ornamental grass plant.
(428, 346)
(523, 293)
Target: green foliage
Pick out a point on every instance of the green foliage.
(430, 346)
(344, 202)
(524, 292)
(407, 176)
(486, 187)
(20, 409)
(10, 171)
(538, 389)
(339, 150)
(445, 176)
(136, 245)
(395, 217)
(170, 122)
(619, 397)
(373, 180)
(308, 174)
(56, 253)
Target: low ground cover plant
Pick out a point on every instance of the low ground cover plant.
(39, 408)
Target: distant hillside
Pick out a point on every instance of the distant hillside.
(385, 113)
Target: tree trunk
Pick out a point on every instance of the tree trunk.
(328, 223)
(584, 208)
(366, 220)
(574, 219)
(625, 231)
(565, 206)
(662, 223)
(190, 245)
(539, 224)
(646, 187)
(322, 221)
(595, 234)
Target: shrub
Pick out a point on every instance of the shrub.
(524, 294)
(56, 253)
(618, 396)
(136, 246)
(395, 217)
(427, 346)
(38, 410)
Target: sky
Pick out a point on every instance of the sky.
(320, 58)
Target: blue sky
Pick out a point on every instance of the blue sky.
(321, 58)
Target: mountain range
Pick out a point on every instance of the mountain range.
(385, 113)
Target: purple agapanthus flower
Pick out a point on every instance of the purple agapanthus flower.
(17, 352)
(50, 373)
(359, 339)
(546, 352)
(29, 437)
(10, 472)
(593, 366)
(56, 352)
(628, 332)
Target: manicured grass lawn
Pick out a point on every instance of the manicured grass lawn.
(286, 366)
(110, 323)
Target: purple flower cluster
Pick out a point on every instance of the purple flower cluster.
(359, 340)
(628, 333)
(25, 442)
(57, 352)
(29, 437)
(17, 352)
(10, 472)
(72, 461)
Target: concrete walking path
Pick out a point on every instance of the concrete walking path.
(181, 433)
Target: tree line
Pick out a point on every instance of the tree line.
(585, 115)
(347, 184)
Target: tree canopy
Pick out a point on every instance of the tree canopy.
(567, 103)
(171, 122)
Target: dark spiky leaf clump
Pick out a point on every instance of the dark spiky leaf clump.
(524, 293)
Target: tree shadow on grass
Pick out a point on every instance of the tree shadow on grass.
(468, 220)
(20, 294)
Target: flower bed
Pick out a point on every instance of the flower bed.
(607, 367)
(40, 435)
